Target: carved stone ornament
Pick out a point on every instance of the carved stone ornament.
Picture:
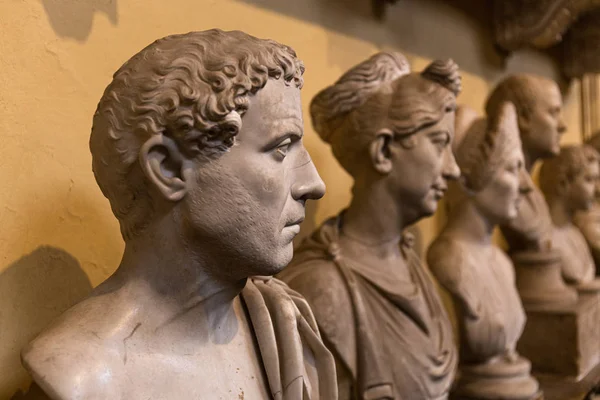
(376, 305)
(478, 275)
(537, 23)
(196, 144)
(581, 46)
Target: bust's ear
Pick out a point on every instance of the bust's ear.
(524, 119)
(380, 151)
(462, 181)
(562, 187)
(162, 163)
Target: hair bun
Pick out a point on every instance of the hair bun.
(444, 72)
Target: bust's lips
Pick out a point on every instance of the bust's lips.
(439, 190)
(296, 221)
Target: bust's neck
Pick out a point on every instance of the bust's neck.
(468, 223)
(530, 160)
(560, 212)
(374, 219)
(177, 277)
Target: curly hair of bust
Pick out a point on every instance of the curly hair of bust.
(194, 88)
(444, 72)
(567, 166)
(420, 100)
(520, 89)
(486, 146)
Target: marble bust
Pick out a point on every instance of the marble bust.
(538, 102)
(568, 183)
(197, 144)
(477, 274)
(588, 221)
(376, 305)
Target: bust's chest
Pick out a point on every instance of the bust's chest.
(207, 366)
(193, 376)
(492, 280)
(234, 373)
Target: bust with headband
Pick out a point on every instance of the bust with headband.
(376, 305)
(476, 273)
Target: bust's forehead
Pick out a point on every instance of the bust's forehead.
(545, 91)
(272, 111)
(278, 99)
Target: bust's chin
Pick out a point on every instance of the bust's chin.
(428, 210)
(553, 152)
(279, 261)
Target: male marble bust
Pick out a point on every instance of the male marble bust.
(197, 144)
(538, 103)
(569, 184)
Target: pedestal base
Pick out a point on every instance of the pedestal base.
(538, 396)
(501, 378)
(539, 280)
(568, 389)
(563, 340)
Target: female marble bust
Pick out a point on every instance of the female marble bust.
(477, 274)
(376, 306)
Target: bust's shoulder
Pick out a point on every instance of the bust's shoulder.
(78, 356)
(447, 259)
(319, 281)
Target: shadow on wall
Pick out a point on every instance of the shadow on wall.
(74, 18)
(429, 28)
(33, 291)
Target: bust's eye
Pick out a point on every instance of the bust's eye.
(441, 140)
(283, 148)
(515, 168)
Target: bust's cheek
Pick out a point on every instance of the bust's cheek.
(269, 185)
(271, 189)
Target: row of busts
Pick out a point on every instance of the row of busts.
(496, 155)
(168, 326)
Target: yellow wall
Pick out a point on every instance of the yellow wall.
(58, 237)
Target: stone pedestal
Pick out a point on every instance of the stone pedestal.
(539, 280)
(538, 396)
(563, 339)
(498, 379)
(556, 388)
